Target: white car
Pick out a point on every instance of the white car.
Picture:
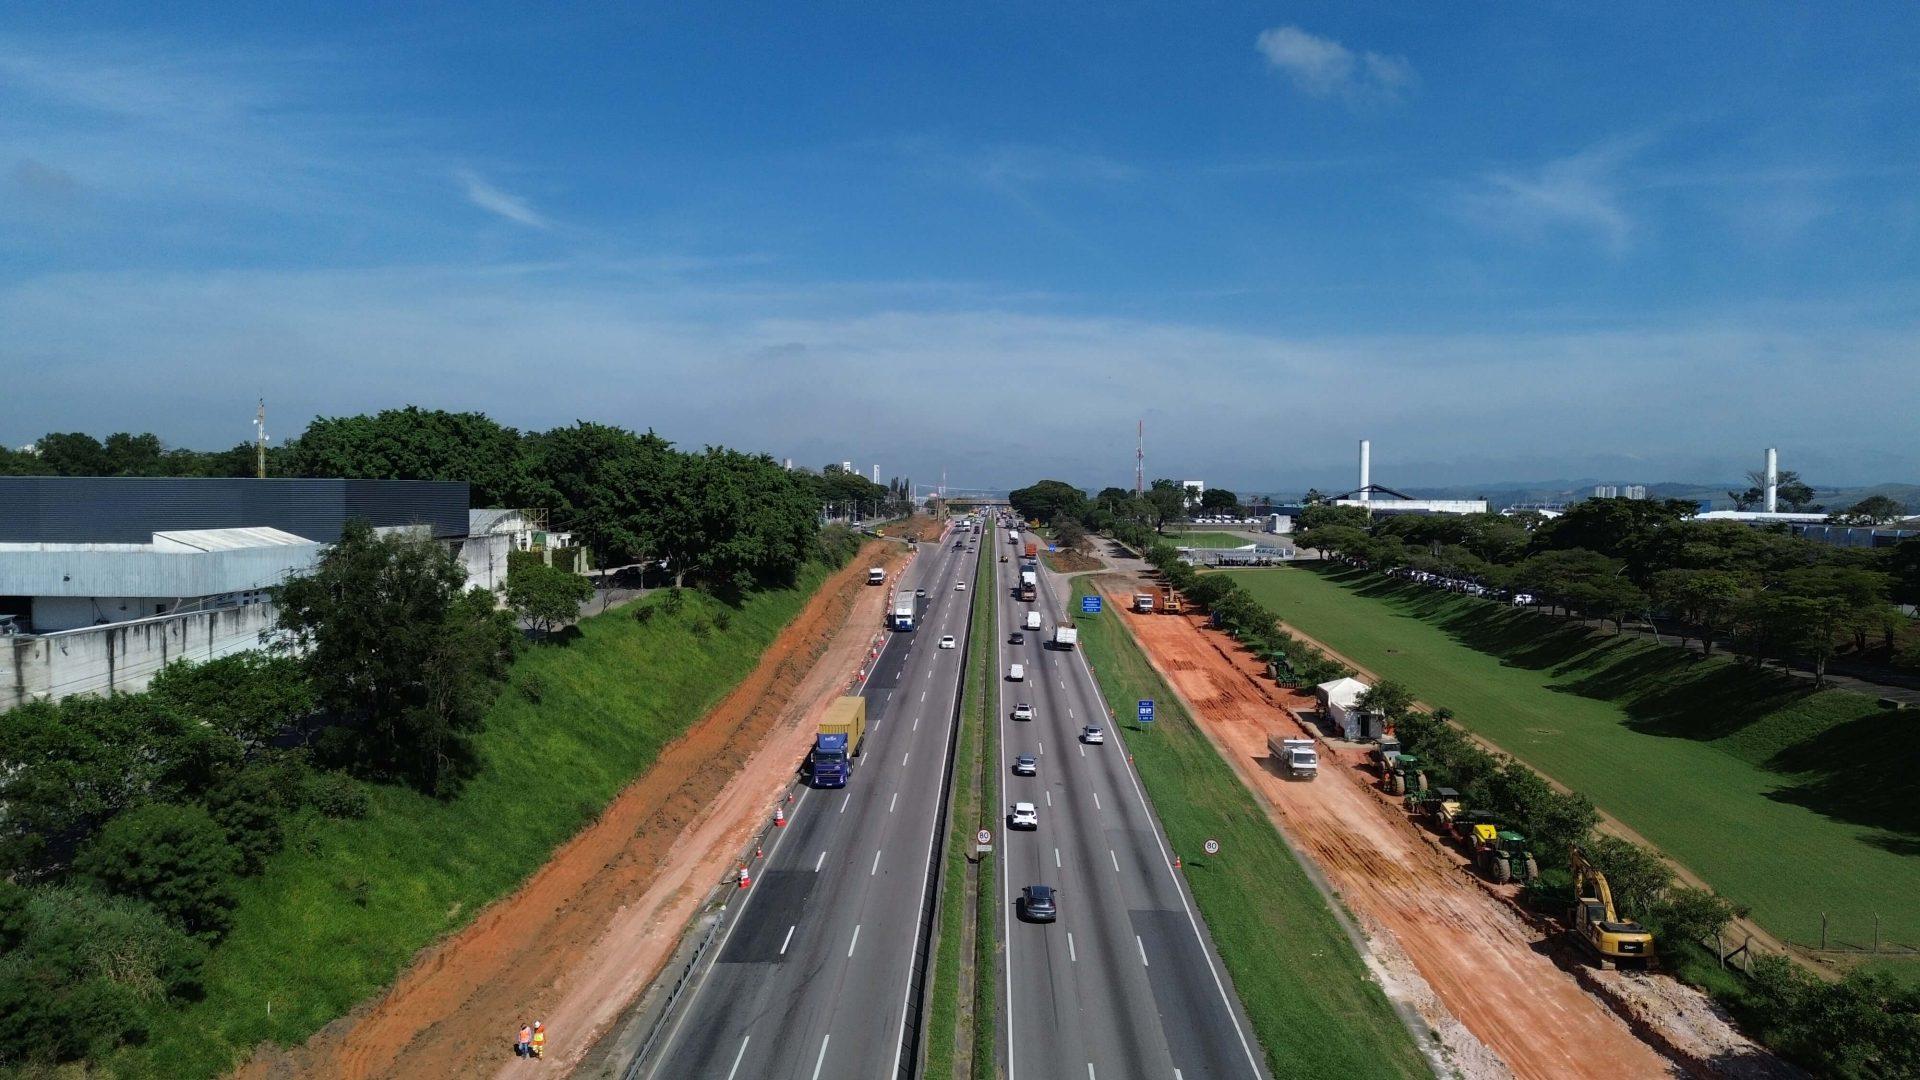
(1023, 711)
(1522, 599)
(1092, 734)
(959, 586)
(947, 642)
(1025, 816)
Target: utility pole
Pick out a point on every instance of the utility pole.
(1140, 459)
(260, 442)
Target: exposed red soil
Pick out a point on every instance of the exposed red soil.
(579, 941)
(1484, 963)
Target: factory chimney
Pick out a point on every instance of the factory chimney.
(1366, 468)
(1773, 480)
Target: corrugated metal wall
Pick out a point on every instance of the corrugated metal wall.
(129, 510)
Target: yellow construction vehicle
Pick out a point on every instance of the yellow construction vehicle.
(1170, 603)
(1611, 939)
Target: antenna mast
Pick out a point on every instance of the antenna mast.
(260, 441)
(1140, 458)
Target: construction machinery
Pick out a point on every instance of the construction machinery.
(1170, 603)
(1612, 940)
(1384, 751)
(1461, 826)
(1404, 774)
(1434, 805)
(1502, 855)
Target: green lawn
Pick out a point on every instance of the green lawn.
(1791, 802)
(338, 913)
(1211, 539)
(1316, 1011)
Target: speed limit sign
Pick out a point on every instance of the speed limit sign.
(1212, 846)
(985, 836)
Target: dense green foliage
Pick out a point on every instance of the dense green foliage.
(1313, 1007)
(544, 597)
(1778, 596)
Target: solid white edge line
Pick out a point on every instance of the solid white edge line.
(1116, 860)
(1167, 861)
(736, 1058)
(788, 940)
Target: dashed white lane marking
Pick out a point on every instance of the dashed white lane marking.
(736, 1058)
(845, 800)
(818, 861)
(1041, 745)
(856, 941)
(923, 695)
(876, 865)
(916, 723)
(1096, 800)
(907, 758)
(892, 801)
(822, 1059)
(1143, 950)
(1056, 858)
(1116, 860)
(788, 940)
(1071, 955)
(1083, 749)
(1049, 798)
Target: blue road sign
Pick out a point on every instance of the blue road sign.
(1146, 710)
(1089, 605)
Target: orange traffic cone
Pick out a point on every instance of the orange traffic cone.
(789, 796)
(779, 817)
(757, 853)
(1176, 864)
(744, 880)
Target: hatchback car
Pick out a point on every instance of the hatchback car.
(1025, 816)
(947, 642)
(1026, 765)
(1092, 734)
(1023, 711)
(1017, 638)
(1037, 903)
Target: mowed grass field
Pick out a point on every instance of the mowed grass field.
(339, 912)
(1791, 802)
(1212, 539)
(1314, 1008)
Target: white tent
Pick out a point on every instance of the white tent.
(1340, 705)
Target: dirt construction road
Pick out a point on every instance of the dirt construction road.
(1481, 961)
(582, 937)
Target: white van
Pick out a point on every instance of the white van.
(1016, 672)
(1033, 620)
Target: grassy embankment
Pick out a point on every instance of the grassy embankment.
(956, 1027)
(338, 913)
(1792, 802)
(1313, 1006)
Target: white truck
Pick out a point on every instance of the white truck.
(1143, 603)
(1296, 757)
(1013, 536)
(1016, 672)
(1033, 620)
(906, 610)
(876, 576)
(1065, 636)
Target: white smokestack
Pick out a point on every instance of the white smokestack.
(1773, 479)
(1366, 468)
(876, 474)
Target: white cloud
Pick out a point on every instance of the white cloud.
(1322, 67)
(1581, 192)
(495, 201)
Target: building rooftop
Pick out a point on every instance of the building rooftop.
(186, 540)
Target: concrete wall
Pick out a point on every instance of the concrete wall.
(485, 560)
(122, 657)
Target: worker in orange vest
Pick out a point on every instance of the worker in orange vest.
(523, 1043)
(539, 1038)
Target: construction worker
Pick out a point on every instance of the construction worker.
(539, 1038)
(523, 1043)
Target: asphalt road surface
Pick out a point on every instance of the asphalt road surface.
(810, 979)
(1126, 982)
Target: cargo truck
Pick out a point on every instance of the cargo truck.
(876, 576)
(1065, 636)
(1029, 585)
(1143, 603)
(906, 610)
(1296, 757)
(838, 742)
(1033, 550)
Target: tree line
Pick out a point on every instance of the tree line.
(713, 517)
(1774, 595)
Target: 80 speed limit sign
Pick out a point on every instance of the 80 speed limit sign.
(1212, 846)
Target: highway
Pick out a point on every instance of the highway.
(811, 975)
(1126, 983)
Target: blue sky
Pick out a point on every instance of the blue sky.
(1507, 242)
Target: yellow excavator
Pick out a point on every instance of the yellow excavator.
(1614, 941)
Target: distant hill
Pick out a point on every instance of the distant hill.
(1509, 493)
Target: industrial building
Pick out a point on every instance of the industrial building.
(1381, 501)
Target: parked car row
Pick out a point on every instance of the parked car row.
(1466, 586)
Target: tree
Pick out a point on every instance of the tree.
(1903, 563)
(175, 857)
(1221, 501)
(1791, 492)
(392, 643)
(545, 597)
(1704, 598)
(1616, 528)
(249, 696)
(1390, 699)
(418, 444)
(1069, 533)
(596, 479)
(1047, 500)
(1872, 510)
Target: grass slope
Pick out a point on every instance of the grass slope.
(339, 912)
(1315, 1009)
(1792, 802)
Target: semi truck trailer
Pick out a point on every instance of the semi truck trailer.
(1029, 585)
(906, 610)
(837, 742)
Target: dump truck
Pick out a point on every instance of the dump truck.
(1170, 602)
(906, 610)
(1612, 940)
(1296, 757)
(1029, 585)
(837, 742)
(876, 576)
(1033, 550)
(1143, 603)
(1065, 636)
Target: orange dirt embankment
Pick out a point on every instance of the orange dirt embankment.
(1485, 965)
(592, 928)
(918, 527)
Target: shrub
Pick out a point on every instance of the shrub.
(335, 795)
(251, 805)
(175, 857)
(1689, 914)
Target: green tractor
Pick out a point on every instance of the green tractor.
(1504, 857)
(1404, 774)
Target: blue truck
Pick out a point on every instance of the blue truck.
(837, 742)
